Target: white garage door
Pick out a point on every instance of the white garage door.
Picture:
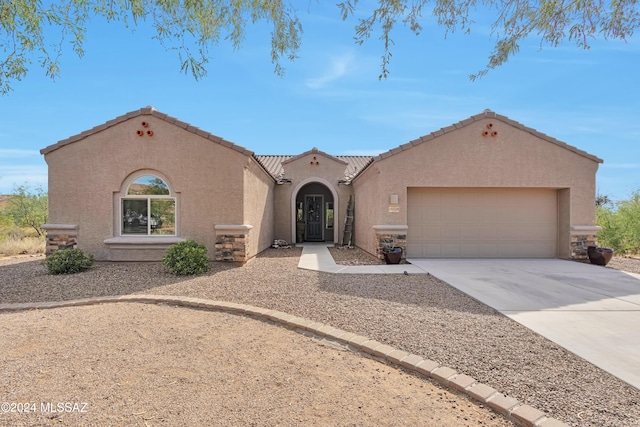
(482, 223)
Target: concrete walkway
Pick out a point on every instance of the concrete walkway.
(589, 310)
(316, 256)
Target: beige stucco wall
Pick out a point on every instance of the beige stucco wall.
(258, 206)
(84, 176)
(304, 170)
(466, 158)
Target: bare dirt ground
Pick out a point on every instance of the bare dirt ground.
(146, 365)
(67, 353)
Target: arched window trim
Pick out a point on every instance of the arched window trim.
(150, 224)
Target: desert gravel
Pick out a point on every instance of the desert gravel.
(150, 365)
(415, 313)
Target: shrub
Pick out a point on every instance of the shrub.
(186, 258)
(68, 261)
(620, 225)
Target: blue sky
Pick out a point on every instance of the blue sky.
(330, 97)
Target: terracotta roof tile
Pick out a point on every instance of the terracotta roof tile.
(490, 114)
(273, 164)
(137, 113)
(314, 150)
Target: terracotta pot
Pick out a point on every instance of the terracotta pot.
(599, 256)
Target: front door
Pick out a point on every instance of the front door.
(314, 214)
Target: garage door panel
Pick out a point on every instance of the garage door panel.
(468, 199)
(450, 214)
(469, 232)
(431, 214)
(487, 233)
(469, 250)
(489, 199)
(432, 232)
(431, 198)
(414, 215)
(414, 248)
(450, 250)
(487, 250)
(449, 199)
(509, 214)
(482, 222)
(432, 250)
(469, 215)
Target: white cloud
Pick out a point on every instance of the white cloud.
(338, 67)
(31, 175)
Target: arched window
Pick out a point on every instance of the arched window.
(148, 209)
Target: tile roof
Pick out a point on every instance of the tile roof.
(273, 164)
(485, 114)
(142, 112)
(354, 164)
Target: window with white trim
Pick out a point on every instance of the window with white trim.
(148, 209)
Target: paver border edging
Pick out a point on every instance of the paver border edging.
(515, 411)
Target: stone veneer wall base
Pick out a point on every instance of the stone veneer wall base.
(583, 236)
(390, 236)
(60, 236)
(232, 243)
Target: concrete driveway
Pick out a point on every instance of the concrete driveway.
(590, 310)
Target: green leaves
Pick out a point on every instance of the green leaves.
(192, 27)
(29, 209)
(620, 225)
(186, 258)
(68, 261)
(40, 31)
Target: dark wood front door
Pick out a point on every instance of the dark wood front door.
(314, 214)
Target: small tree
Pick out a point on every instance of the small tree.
(29, 209)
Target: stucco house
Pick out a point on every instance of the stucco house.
(484, 187)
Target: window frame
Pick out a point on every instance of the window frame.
(148, 198)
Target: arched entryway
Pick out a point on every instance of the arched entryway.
(314, 209)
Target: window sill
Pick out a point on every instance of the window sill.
(142, 242)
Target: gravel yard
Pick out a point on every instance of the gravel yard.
(416, 313)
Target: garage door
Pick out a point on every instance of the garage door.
(482, 223)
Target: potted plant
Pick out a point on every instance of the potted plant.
(599, 256)
(392, 254)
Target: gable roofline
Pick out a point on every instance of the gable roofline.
(146, 111)
(484, 115)
(314, 150)
(272, 163)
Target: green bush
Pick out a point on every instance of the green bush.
(186, 258)
(620, 225)
(68, 261)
